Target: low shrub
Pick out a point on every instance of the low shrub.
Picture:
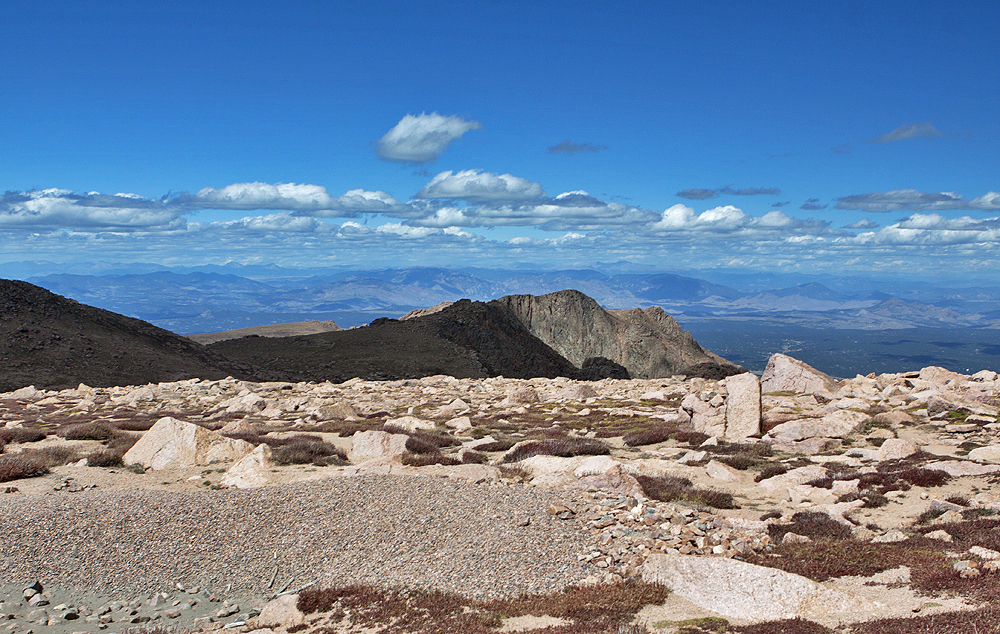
(497, 445)
(666, 488)
(105, 458)
(693, 438)
(649, 436)
(474, 457)
(309, 450)
(89, 431)
(982, 620)
(427, 459)
(785, 626)
(565, 448)
(421, 446)
(10, 435)
(589, 609)
(548, 432)
(134, 424)
(925, 477)
(515, 472)
(810, 524)
(52, 456)
(18, 466)
(770, 471)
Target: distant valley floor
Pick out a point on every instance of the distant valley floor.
(845, 353)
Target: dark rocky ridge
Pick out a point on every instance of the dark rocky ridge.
(53, 342)
(465, 340)
(50, 341)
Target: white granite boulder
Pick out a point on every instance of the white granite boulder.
(786, 374)
(366, 445)
(175, 444)
(836, 425)
(251, 470)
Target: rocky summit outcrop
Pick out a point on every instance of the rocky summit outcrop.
(648, 342)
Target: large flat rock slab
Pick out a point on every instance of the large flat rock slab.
(737, 589)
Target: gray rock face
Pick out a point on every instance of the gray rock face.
(647, 342)
(785, 374)
(737, 589)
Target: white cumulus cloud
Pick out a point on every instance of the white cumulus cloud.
(422, 138)
(303, 198)
(476, 185)
(63, 209)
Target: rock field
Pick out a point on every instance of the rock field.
(218, 495)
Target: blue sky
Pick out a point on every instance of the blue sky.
(855, 137)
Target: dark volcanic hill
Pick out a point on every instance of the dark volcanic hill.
(52, 342)
(466, 340)
(519, 336)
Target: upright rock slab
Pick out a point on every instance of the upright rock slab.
(785, 374)
(742, 406)
(175, 444)
(366, 445)
(251, 470)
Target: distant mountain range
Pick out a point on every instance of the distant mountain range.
(49, 341)
(213, 299)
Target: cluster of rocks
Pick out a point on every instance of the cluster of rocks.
(628, 531)
(34, 608)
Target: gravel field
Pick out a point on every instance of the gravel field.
(384, 530)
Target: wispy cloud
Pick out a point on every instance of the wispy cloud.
(476, 185)
(569, 147)
(697, 194)
(61, 208)
(843, 148)
(422, 138)
(909, 131)
(913, 200)
(705, 194)
(569, 211)
(862, 224)
(780, 204)
(812, 205)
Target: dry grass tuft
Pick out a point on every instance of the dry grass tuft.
(649, 436)
(10, 435)
(565, 448)
(88, 431)
(667, 488)
(591, 610)
(309, 450)
(812, 525)
(17, 466)
(428, 458)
